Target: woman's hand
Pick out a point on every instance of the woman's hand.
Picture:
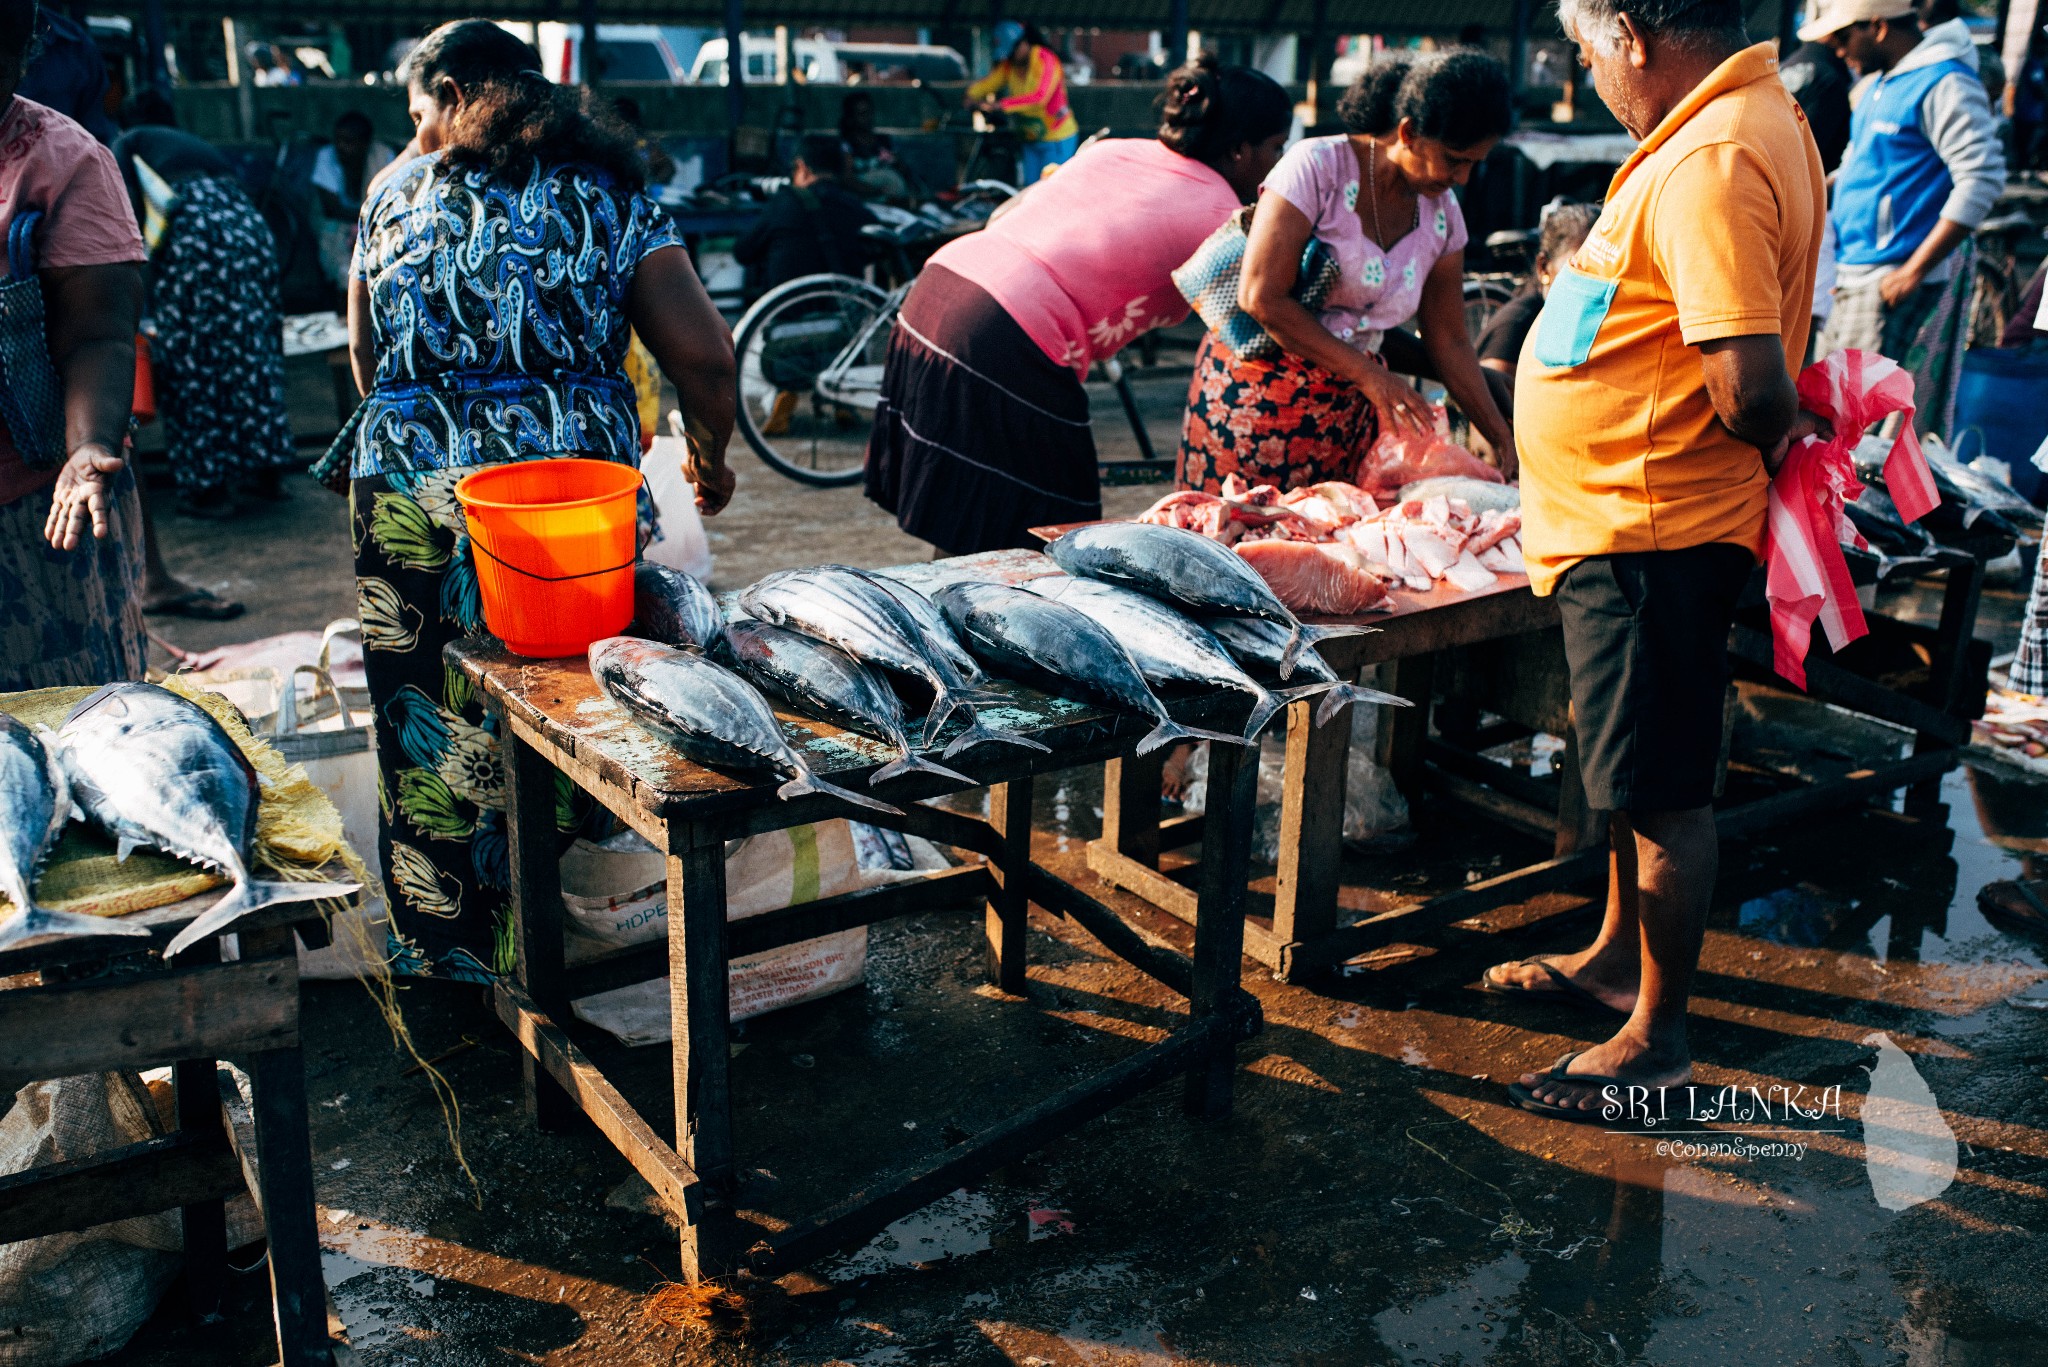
(715, 481)
(1402, 411)
(82, 496)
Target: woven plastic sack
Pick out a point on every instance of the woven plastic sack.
(31, 399)
(1208, 281)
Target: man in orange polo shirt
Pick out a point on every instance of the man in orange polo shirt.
(1652, 397)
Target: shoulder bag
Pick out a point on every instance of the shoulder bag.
(1208, 281)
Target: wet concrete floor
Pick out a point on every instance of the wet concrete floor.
(1373, 1200)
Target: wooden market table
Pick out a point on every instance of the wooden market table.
(554, 718)
(106, 1003)
(1498, 648)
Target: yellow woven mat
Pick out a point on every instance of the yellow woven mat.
(297, 829)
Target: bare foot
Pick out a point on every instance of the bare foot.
(1173, 779)
(1626, 1060)
(1605, 978)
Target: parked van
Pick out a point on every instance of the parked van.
(626, 52)
(820, 61)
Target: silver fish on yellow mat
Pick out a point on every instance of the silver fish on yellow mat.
(152, 768)
(708, 712)
(35, 802)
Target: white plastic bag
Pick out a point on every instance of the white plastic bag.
(679, 540)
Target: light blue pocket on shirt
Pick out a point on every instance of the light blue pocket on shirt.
(1572, 314)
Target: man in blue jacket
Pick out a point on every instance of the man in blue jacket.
(1924, 167)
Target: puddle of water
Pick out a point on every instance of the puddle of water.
(954, 1226)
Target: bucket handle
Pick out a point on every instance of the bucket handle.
(484, 550)
(287, 724)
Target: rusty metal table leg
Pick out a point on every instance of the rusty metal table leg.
(1010, 813)
(1219, 919)
(536, 912)
(700, 1012)
(1311, 834)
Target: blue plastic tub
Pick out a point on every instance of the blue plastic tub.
(2003, 397)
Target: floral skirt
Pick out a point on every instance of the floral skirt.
(1284, 421)
(440, 781)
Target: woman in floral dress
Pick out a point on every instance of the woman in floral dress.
(1379, 197)
(498, 274)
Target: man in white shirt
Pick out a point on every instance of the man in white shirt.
(342, 171)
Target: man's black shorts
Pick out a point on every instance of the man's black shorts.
(1646, 635)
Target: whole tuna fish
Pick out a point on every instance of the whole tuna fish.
(1182, 567)
(708, 712)
(1167, 647)
(826, 682)
(35, 802)
(673, 608)
(1061, 649)
(1255, 642)
(938, 632)
(846, 608)
(152, 768)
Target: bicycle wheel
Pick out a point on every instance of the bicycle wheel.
(1482, 299)
(810, 371)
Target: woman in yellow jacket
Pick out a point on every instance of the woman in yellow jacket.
(1029, 84)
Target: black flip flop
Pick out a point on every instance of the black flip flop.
(1525, 1098)
(2034, 920)
(1568, 992)
(199, 605)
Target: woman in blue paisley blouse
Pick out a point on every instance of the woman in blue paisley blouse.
(497, 275)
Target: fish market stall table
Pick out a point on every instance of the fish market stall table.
(555, 718)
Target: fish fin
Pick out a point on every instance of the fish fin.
(38, 921)
(124, 847)
(805, 784)
(915, 764)
(1316, 635)
(1297, 641)
(1343, 695)
(1271, 701)
(253, 895)
(1169, 731)
(981, 733)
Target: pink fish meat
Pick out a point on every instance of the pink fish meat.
(1329, 578)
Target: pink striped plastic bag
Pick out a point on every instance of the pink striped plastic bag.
(1807, 578)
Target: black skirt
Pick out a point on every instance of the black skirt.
(979, 435)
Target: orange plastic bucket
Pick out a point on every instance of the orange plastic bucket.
(553, 545)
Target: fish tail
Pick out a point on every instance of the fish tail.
(38, 921)
(1297, 641)
(916, 764)
(981, 733)
(1316, 635)
(253, 894)
(1168, 731)
(1272, 700)
(807, 784)
(1344, 694)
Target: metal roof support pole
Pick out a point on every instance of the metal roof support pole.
(735, 76)
(1788, 25)
(1518, 51)
(156, 39)
(1319, 55)
(593, 61)
(1177, 34)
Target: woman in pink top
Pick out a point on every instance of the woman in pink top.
(1380, 197)
(70, 522)
(982, 432)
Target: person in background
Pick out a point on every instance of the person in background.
(218, 353)
(982, 430)
(497, 275)
(1380, 197)
(872, 170)
(1564, 227)
(1820, 80)
(1029, 85)
(70, 532)
(1654, 397)
(2026, 99)
(661, 167)
(811, 225)
(342, 172)
(1923, 169)
(69, 74)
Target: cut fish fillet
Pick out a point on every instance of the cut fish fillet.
(1327, 578)
(1429, 552)
(1468, 574)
